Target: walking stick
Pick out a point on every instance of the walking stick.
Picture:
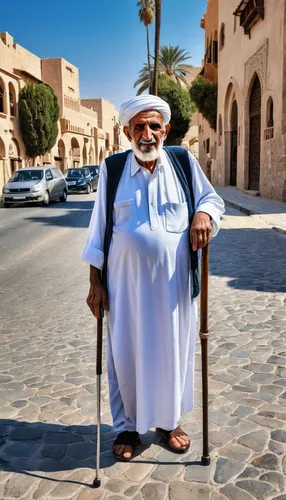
(204, 336)
(96, 482)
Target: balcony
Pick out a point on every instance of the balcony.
(250, 12)
(66, 126)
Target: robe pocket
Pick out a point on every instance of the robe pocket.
(177, 217)
(124, 212)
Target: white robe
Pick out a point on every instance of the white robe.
(151, 324)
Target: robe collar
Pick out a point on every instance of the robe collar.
(135, 167)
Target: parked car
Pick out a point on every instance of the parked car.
(35, 185)
(94, 170)
(79, 179)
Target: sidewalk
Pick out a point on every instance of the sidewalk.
(271, 211)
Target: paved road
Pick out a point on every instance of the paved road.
(47, 369)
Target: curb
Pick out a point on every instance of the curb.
(279, 230)
(249, 212)
(238, 207)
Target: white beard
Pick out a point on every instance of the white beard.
(151, 156)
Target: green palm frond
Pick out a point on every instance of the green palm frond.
(143, 79)
(172, 62)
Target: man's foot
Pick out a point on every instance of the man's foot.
(177, 440)
(124, 445)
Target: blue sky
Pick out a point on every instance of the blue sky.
(103, 38)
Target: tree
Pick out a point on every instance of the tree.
(158, 5)
(38, 117)
(204, 95)
(181, 106)
(171, 63)
(146, 14)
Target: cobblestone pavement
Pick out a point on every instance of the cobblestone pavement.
(47, 374)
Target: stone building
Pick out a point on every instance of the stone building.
(250, 150)
(87, 133)
(207, 136)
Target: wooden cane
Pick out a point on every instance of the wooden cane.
(96, 482)
(204, 336)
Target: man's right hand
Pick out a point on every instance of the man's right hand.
(97, 296)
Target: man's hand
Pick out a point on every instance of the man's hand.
(97, 296)
(200, 232)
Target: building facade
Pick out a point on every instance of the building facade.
(208, 136)
(87, 133)
(250, 151)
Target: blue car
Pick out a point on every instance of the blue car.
(79, 180)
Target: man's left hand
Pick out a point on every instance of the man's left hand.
(201, 229)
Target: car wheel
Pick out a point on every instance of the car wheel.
(7, 205)
(46, 199)
(88, 189)
(64, 196)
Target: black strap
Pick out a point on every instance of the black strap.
(114, 165)
(180, 160)
(127, 438)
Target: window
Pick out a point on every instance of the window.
(71, 89)
(270, 113)
(219, 130)
(48, 175)
(250, 12)
(12, 100)
(209, 56)
(222, 37)
(208, 146)
(269, 131)
(1, 97)
(215, 52)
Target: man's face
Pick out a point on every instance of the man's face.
(146, 132)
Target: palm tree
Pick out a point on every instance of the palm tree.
(158, 5)
(146, 14)
(172, 62)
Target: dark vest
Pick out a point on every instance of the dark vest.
(180, 161)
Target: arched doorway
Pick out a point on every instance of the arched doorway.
(14, 155)
(254, 135)
(75, 152)
(233, 144)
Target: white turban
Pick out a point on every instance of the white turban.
(140, 103)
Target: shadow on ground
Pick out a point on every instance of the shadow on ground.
(29, 448)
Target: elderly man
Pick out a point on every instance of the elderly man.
(151, 318)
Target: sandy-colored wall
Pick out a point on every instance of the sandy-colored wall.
(239, 59)
(14, 56)
(207, 159)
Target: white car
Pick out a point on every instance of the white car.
(35, 185)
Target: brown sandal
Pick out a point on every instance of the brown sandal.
(126, 438)
(167, 435)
